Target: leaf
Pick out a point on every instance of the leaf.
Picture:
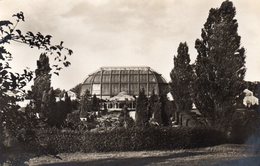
(53, 48)
(48, 37)
(59, 68)
(70, 52)
(56, 73)
(5, 23)
(3, 73)
(30, 33)
(19, 16)
(19, 32)
(66, 64)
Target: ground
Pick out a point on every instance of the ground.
(222, 155)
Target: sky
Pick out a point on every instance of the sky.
(125, 33)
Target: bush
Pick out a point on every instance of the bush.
(132, 139)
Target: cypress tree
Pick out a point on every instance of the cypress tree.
(95, 103)
(181, 79)
(220, 65)
(142, 110)
(85, 104)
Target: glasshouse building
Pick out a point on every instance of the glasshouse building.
(110, 81)
(123, 83)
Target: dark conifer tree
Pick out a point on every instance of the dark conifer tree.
(85, 104)
(155, 108)
(220, 65)
(181, 79)
(142, 110)
(151, 103)
(95, 103)
(42, 83)
(165, 114)
(68, 103)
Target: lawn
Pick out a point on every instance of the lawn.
(228, 154)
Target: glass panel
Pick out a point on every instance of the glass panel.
(89, 79)
(115, 71)
(84, 88)
(106, 72)
(124, 78)
(134, 71)
(124, 87)
(152, 78)
(106, 78)
(143, 78)
(133, 78)
(115, 78)
(124, 71)
(96, 89)
(115, 89)
(105, 89)
(143, 71)
(97, 79)
(134, 89)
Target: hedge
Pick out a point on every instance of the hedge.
(133, 139)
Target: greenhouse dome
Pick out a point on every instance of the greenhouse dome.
(108, 82)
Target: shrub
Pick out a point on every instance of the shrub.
(132, 139)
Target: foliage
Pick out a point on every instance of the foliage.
(142, 110)
(155, 109)
(85, 104)
(165, 110)
(11, 83)
(220, 66)
(73, 120)
(124, 118)
(95, 103)
(181, 79)
(77, 90)
(245, 123)
(130, 139)
(159, 107)
(42, 84)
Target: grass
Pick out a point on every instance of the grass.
(227, 154)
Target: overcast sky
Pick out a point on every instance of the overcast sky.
(125, 32)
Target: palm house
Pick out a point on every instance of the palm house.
(118, 84)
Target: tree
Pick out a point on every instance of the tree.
(11, 83)
(124, 118)
(155, 109)
(42, 83)
(220, 66)
(142, 110)
(181, 79)
(85, 104)
(95, 103)
(77, 90)
(68, 103)
(165, 111)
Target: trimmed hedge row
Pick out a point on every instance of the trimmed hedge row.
(132, 139)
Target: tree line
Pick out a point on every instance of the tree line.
(216, 79)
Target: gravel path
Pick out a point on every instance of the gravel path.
(237, 155)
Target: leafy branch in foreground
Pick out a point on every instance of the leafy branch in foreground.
(12, 83)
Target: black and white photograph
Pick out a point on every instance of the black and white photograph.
(129, 83)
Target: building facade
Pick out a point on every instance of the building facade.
(108, 82)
